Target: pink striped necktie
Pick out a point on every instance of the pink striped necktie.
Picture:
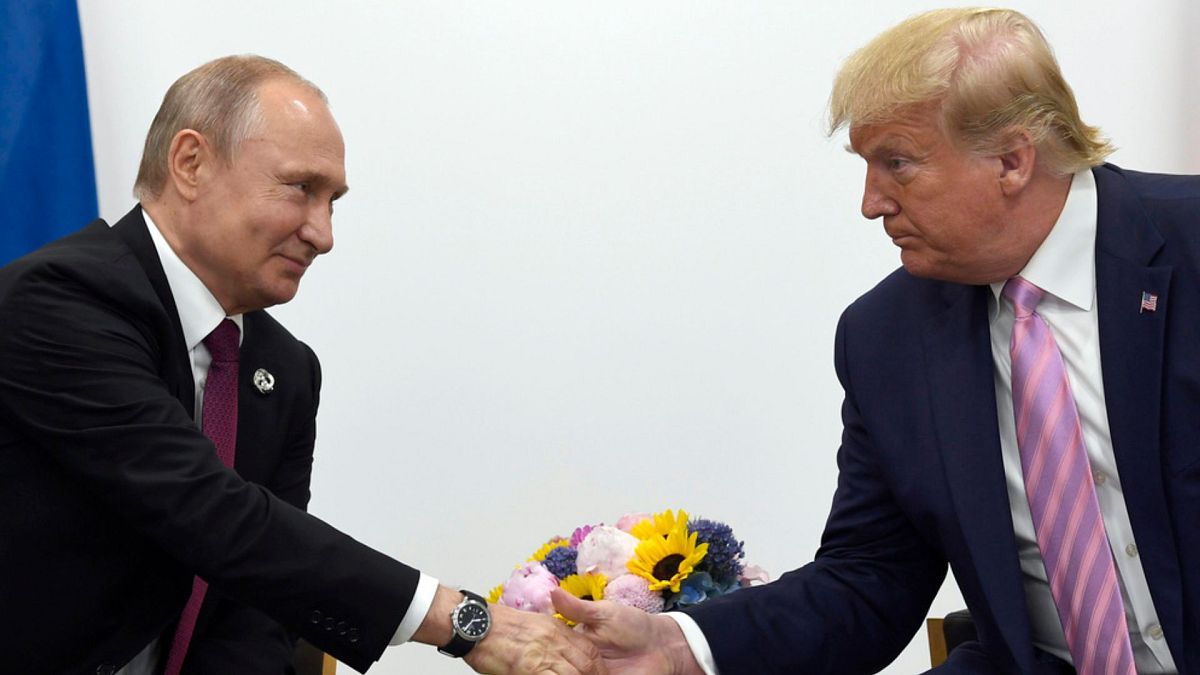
(219, 422)
(1062, 496)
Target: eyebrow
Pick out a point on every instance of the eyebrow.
(887, 146)
(315, 177)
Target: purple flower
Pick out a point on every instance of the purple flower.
(561, 561)
(580, 534)
(724, 559)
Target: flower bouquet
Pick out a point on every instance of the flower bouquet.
(654, 562)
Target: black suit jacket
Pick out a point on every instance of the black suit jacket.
(921, 481)
(111, 498)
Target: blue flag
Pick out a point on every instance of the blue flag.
(47, 181)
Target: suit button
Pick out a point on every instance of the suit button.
(105, 669)
(328, 623)
(315, 617)
(342, 627)
(352, 635)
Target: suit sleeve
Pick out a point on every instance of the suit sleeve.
(80, 377)
(857, 605)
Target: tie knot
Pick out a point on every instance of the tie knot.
(1023, 295)
(222, 343)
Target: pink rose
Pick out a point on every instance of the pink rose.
(529, 589)
(752, 574)
(628, 520)
(606, 550)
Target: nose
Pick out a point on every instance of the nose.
(875, 202)
(318, 229)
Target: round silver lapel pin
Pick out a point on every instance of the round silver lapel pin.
(264, 381)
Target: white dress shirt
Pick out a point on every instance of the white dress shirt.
(1065, 267)
(1069, 309)
(199, 314)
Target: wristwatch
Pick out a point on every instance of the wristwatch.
(471, 621)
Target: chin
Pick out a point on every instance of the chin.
(277, 296)
(924, 268)
(916, 265)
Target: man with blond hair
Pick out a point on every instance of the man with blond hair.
(1020, 399)
(157, 427)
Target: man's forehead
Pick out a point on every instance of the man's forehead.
(903, 128)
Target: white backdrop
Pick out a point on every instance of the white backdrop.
(594, 253)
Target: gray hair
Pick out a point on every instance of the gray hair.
(219, 100)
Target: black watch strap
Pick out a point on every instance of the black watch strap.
(459, 646)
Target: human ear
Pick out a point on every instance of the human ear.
(1017, 164)
(186, 162)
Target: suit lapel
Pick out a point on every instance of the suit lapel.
(258, 413)
(176, 364)
(962, 386)
(262, 413)
(1131, 352)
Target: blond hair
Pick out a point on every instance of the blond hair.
(991, 71)
(220, 100)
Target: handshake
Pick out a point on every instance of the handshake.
(607, 638)
(604, 587)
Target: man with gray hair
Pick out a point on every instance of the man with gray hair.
(1020, 399)
(157, 427)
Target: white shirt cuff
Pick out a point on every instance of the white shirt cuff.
(417, 609)
(696, 641)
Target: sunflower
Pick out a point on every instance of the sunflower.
(666, 562)
(586, 586)
(660, 524)
(540, 554)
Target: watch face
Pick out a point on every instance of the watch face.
(472, 621)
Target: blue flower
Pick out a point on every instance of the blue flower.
(697, 588)
(724, 559)
(561, 562)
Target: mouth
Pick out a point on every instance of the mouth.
(297, 263)
(897, 236)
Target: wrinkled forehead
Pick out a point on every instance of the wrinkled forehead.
(921, 123)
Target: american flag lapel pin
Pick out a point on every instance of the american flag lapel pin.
(1149, 302)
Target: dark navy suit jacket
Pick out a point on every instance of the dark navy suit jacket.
(111, 499)
(921, 484)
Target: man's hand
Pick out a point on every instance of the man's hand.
(524, 642)
(630, 640)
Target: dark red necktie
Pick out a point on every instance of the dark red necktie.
(219, 423)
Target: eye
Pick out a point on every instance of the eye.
(301, 186)
(898, 163)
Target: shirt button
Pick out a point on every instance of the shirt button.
(1100, 478)
(1131, 550)
(1155, 632)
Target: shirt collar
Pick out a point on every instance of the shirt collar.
(199, 311)
(1058, 267)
